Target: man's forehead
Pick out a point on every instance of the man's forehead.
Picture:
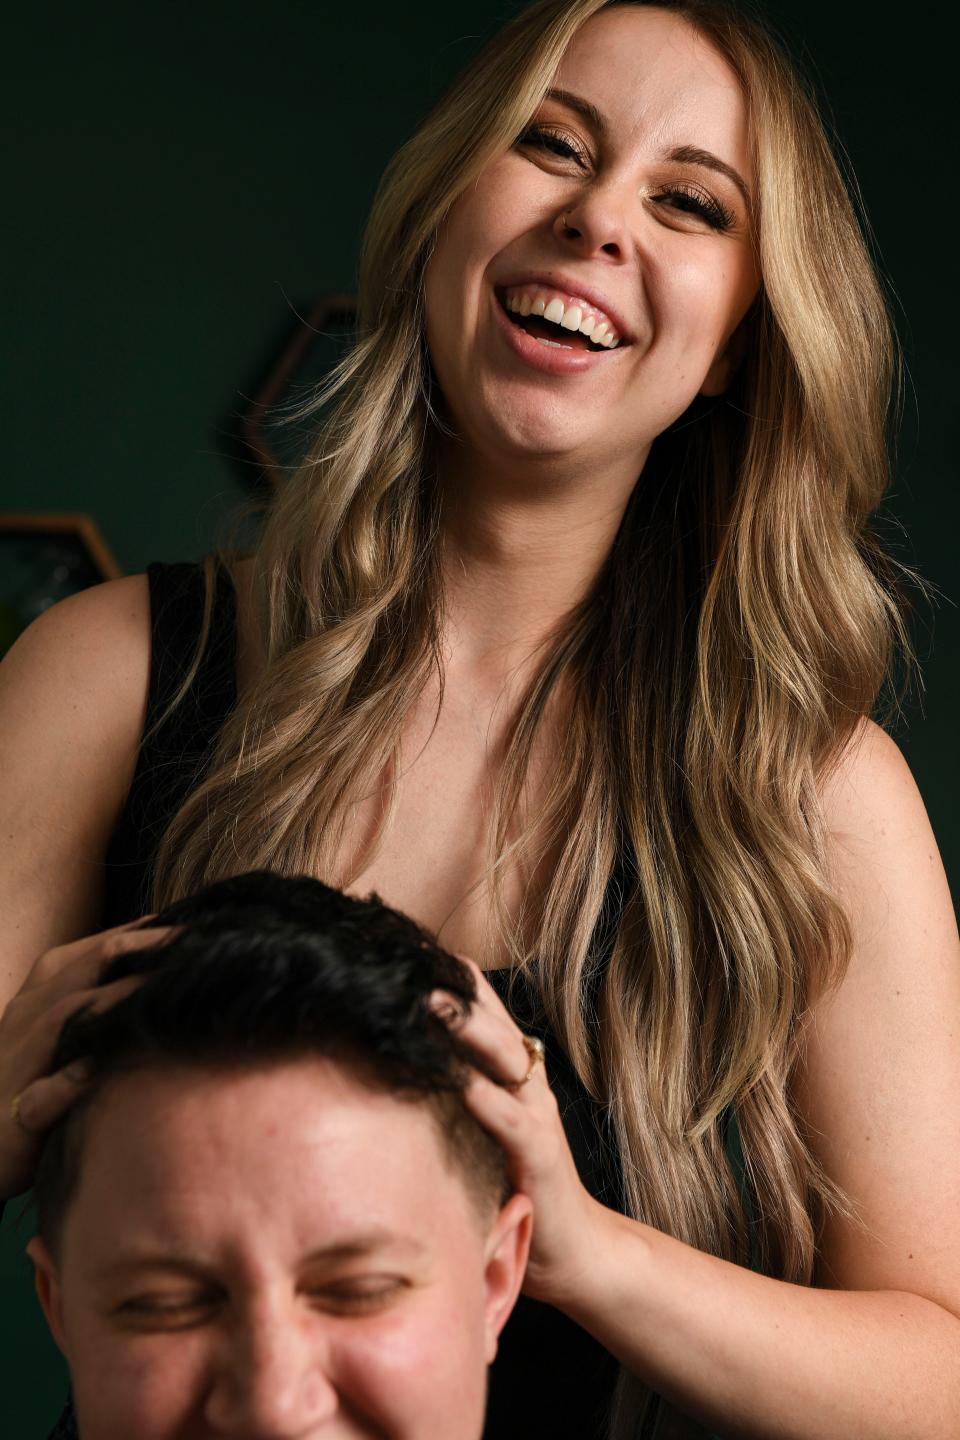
(304, 1152)
(263, 1101)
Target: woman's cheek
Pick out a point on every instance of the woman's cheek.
(685, 302)
(691, 311)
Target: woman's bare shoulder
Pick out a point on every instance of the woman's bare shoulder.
(89, 652)
(883, 853)
(884, 860)
(868, 776)
(73, 695)
(879, 1081)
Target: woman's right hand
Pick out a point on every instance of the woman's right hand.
(32, 1097)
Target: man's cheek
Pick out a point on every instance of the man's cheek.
(423, 1360)
(148, 1386)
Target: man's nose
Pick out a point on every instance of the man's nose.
(273, 1379)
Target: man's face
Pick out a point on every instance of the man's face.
(276, 1253)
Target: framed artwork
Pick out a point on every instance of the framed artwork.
(272, 430)
(43, 559)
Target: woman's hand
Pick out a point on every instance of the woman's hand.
(32, 1098)
(523, 1115)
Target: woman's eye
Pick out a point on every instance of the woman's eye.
(687, 199)
(694, 202)
(553, 141)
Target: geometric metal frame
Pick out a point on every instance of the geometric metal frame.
(58, 522)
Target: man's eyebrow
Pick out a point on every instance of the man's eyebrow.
(151, 1260)
(681, 154)
(352, 1247)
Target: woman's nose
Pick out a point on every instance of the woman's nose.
(274, 1380)
(595, 225)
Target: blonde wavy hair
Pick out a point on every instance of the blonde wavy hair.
(742, 626)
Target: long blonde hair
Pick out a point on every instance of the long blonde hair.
(740, 629)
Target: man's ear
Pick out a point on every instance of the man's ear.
(508, 1247)
(726, 363)
(46, 1280)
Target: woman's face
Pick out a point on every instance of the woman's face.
(616, 206)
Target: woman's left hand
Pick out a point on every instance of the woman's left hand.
(523, 1115)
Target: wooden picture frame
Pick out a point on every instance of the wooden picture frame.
(45, 557)
(315, 332)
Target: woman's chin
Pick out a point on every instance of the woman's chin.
(537, 431)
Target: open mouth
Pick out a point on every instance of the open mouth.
(549, 331)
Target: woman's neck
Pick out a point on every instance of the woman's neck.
(520, 551)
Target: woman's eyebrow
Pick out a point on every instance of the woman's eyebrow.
(693, 155)
(682, 154)
(582, 107)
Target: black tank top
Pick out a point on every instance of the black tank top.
(550, 1378)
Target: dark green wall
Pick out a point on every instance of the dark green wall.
(181, 174)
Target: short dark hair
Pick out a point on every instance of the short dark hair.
(266, 969)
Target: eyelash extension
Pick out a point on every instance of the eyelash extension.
(712, 211)
(553, 140)
(716, 214)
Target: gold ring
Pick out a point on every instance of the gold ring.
(15, 1111)
(537, 1052)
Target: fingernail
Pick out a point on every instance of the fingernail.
(79, 1071)
(444, 1007)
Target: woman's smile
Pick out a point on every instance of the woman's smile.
(545, 333)
(567, 302)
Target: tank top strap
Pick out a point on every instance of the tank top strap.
(177, 604)
(181, 725)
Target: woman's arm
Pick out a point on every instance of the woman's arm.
(877, 1354)
(72, 702)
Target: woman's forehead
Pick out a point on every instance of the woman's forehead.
(659, 83)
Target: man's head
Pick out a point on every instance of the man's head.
(271, 1216)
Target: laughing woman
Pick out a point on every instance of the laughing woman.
(607, 735)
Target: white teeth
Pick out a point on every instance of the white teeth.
(573, 318)
(554, 343)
